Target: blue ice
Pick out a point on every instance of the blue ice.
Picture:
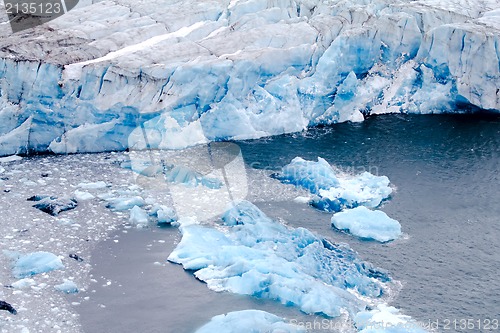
(36, 263)
(254, 255)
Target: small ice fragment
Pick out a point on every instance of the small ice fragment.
(23, 283)
(83, 195)
(138, 216)
(68, 287)
(124, 203)
(92, 186)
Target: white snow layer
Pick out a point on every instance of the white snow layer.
(113, 75)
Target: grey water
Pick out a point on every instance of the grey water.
(445, 170)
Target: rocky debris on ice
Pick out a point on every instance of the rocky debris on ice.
(6, 306)
(53, 205)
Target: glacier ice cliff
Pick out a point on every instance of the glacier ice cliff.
(137, 74)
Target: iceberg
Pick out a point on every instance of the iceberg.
(386, 319)
(367, 224)
(183, 73)
(164, 214)
(254, 255)
(36, 263)
(245, 320)
(138, 217)
(68, 287)
(334, 191)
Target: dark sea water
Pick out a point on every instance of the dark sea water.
(446, 171)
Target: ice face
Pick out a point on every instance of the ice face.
(367, 224)
(241, 321)
(333, 190)
(187, 73)
(36, 263)
(257, 256)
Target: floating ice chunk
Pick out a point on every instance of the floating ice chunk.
(138, 216)
(53, 205)
(23, 283)
(124, 203)
(92, 186)
(83, 195)
(10, 158)
(257, 256)
(333, 190)
(312, 176)
(187, 176)
(164, 214)
(368, 224)
(242, 321)
(386, 319)
(68, 287)
(36, 263)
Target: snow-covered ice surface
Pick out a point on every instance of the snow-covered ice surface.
(104, 76)
(368, 224)
(249, 321)
(333, 190)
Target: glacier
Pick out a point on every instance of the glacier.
(260, 257)
(248, 321)
(333, 190)
(367, 224)
(137, 74)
